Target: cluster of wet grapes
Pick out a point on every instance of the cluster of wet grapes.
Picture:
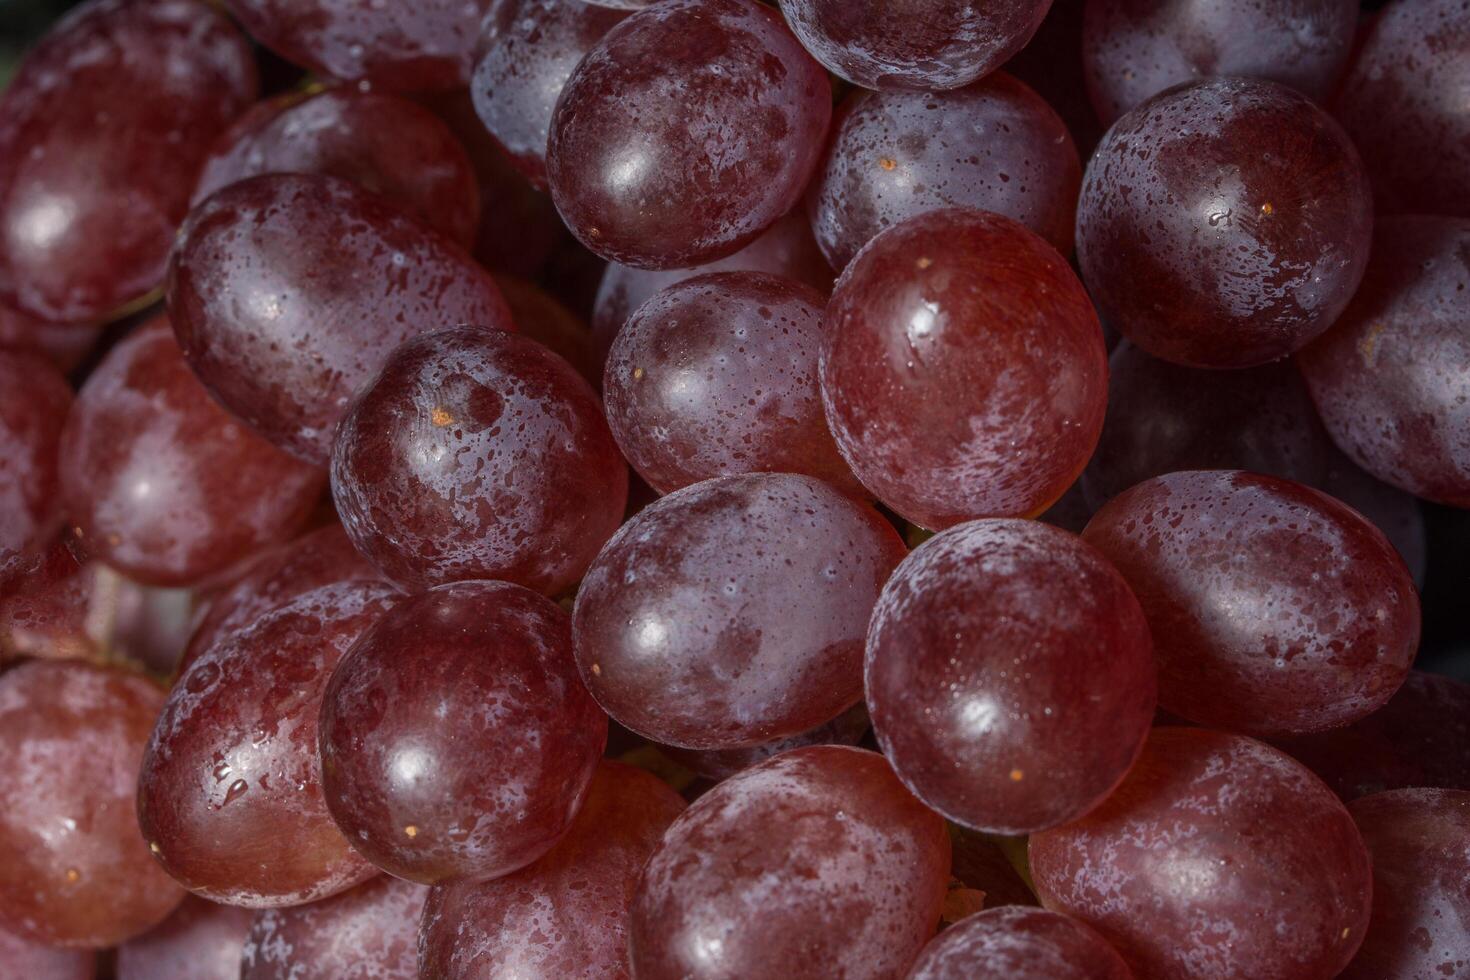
(710, 490)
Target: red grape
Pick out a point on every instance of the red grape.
(73, 868)
(63, 345)
(230, 799)
(37, 961)
(732, 612)
(367, 933)
(1019, 944)
(683, 134)
(543, 318)
(200, 941)
(847, 728)
(1274, 608)
(963, 369)
(1224, 224)
(478, 454)
(565, 915)
(34, 403)
(1218, 857)
(288, 291)
(812, 865)
(993, 146)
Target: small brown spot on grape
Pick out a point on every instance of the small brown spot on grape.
(441, 417)
(153, 846)
(1017, 775)
(637, 373)
(1368, 346)
(73, 875)
(597, 670)
(1346, 932)
(1267, 209)
(924, 262)
(887, 163)
(411, 830)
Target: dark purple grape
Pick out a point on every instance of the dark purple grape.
(367, 933)
(1224, 224)
(546, 320)
(38, 961)
(963, 369)
(566, 915)
(288, 292)
(847, 728)
(732, 612)
(102, 132)
(200, 941)
(1274, 608)
(683, 134)
(62, 345)
(993, 146)
(982, 675)
(812, 865)
(34, 403)
(1019, 944)
(478, 454)
(1218, 857)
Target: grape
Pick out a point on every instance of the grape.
(847, 728)
(717, 375)
(499, 790)
(689, 129)
(1135, 49)
(426, 45)
(918, 44)
(386, 144)
(980, 864)
(1398, 104)
(983, 659)
(38, 961)
(34, 402)
(478, 454)
(73, 868)
(1419, 840)
(288, 292)
(814, 864)
(1388, 377)
(1218, 857)
(565, 915)
(102, 132)
(367, 933)
(1274, 608)
(732, 612)
(161, 482)
(230, 798)
(1224, 224)
(963, 370)
(1019, 944)
(528, 49)
(200, 941)
(63, 345)
(994, 146)
(543, 318)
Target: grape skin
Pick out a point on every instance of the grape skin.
(1019, 944)
(367, 933)
(200, 941)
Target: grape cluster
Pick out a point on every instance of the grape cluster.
(735, 490)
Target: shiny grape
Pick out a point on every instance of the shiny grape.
(1019, 944)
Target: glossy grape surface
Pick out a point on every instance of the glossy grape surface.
(993, 146)
(847, 728)
(367, 933)
(102, 132)
(565, 915)
(689, 129)
(1019, 944)
(288, 292)
(1218, 857)
(919, 44)
(1224, 224)
(1389, 376)
(200, 941)
(478, 454)
(34, 402)
(815, 864)
(983, 660)
(1274, 608)
(38, 961)
(230, 798)
(732, 612)
(160, 481)
(963, 369)
(74, 870)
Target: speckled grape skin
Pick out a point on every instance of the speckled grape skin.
(814, 865)
(200, 941)
(1392, 376)
(163, 484)
(732, 612)
(425, 45)
(847, 728)
(366, 933)
(689, 129)
(1134, 49)
(716, 376)
(565, 916)
(230, 798)
(982, 675)
(1419, 841)
(478, 454)
(388, 145)
(74, 870)
(1217, 858)
(994, 146)
(34, 402)
(963, 369)
(39, 961)
(1224, 224)
(288, 291)
(102, 132)
(1399, 105)
(919, 44)
(1274, 608)
(1019, 944)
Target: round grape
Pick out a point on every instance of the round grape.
(1019, 944)
(200, 941)
(367, 933)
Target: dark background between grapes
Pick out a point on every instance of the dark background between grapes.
(1446, 644)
